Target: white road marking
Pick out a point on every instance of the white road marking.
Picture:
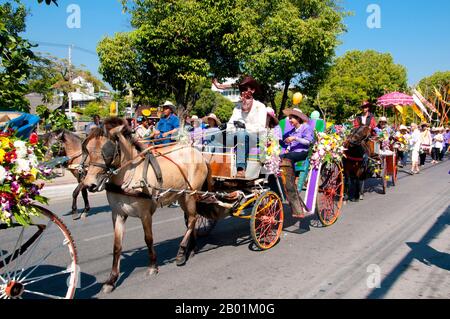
(132, 228)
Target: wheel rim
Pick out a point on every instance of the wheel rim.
(331, 194)
(267, 220)
(39, 261)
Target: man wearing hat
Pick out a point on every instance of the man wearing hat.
(168, 124)
(365, 118)
(250, 115)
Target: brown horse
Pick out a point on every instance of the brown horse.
(69, 144)
(115, 164)
(356, 162)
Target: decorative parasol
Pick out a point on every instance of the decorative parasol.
(395, 98)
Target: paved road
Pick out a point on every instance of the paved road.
(404, 235)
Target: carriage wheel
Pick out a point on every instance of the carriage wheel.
(38, 261)
(384, 174)
(331, 194)
(266, 222)
(204, 226)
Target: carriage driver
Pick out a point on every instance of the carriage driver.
(247, 121)
(365, 118)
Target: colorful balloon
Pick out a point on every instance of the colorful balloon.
(297, 98)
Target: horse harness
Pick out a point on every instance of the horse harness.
(110, 151)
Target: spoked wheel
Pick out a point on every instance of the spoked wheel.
(266, 222)
(38, 261)
(331, 194)
(204, 226)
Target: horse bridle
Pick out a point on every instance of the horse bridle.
(110, 151)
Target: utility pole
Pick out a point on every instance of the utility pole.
(70, 80)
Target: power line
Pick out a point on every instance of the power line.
(62, 45)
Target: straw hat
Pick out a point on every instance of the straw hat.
(403, 128)
(296, 112)
(425, 124)
(273, 117)
(212, 116)
(383, 119)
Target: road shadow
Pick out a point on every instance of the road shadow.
(420, 251)
(93, 211)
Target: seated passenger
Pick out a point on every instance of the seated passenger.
(196, 133)
(247, 121)
(298, 140)
(213, 135)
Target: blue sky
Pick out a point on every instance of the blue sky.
(415, 32)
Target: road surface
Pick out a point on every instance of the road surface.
(387, 246)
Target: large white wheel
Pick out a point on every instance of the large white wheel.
(38, 261)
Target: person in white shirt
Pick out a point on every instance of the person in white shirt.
(415, 146)
(246, 123)
(142, 129)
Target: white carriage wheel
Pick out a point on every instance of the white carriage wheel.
(38, 261)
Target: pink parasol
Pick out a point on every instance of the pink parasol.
(395, 98)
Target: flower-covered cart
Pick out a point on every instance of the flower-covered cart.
(38, 257)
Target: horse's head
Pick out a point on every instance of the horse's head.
(357, 136)
(102, 148)
(51, 139)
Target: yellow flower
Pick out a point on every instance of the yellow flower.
(4, 142)
(2, 155)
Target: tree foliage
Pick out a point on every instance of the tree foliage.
(178, 43)
(213, 102)
(440, 81)
(359, 76)
(55, 119)
(15, 57)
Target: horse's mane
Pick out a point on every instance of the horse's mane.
(109, 124)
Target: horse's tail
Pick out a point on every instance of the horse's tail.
(209, 179)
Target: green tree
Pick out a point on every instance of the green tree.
(439, 81)
(359, 76)
(54, 120)
(15, 57)
(212, 102)
(176, 45)
(98, 108)
(287, 41)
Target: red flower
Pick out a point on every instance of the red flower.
(10, 156)
(34, 138)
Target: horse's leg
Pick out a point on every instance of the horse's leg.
(119, 228)
(189, 240)
(147, 224)
(87, 207)
(361, 189)
(75, 194)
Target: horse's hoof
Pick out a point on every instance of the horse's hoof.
(181, 260)
(107, 289)
(84, 216)
(152, 272)
(75, 216)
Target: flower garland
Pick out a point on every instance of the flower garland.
(19, 172)
(328, 148)
(270, 150)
